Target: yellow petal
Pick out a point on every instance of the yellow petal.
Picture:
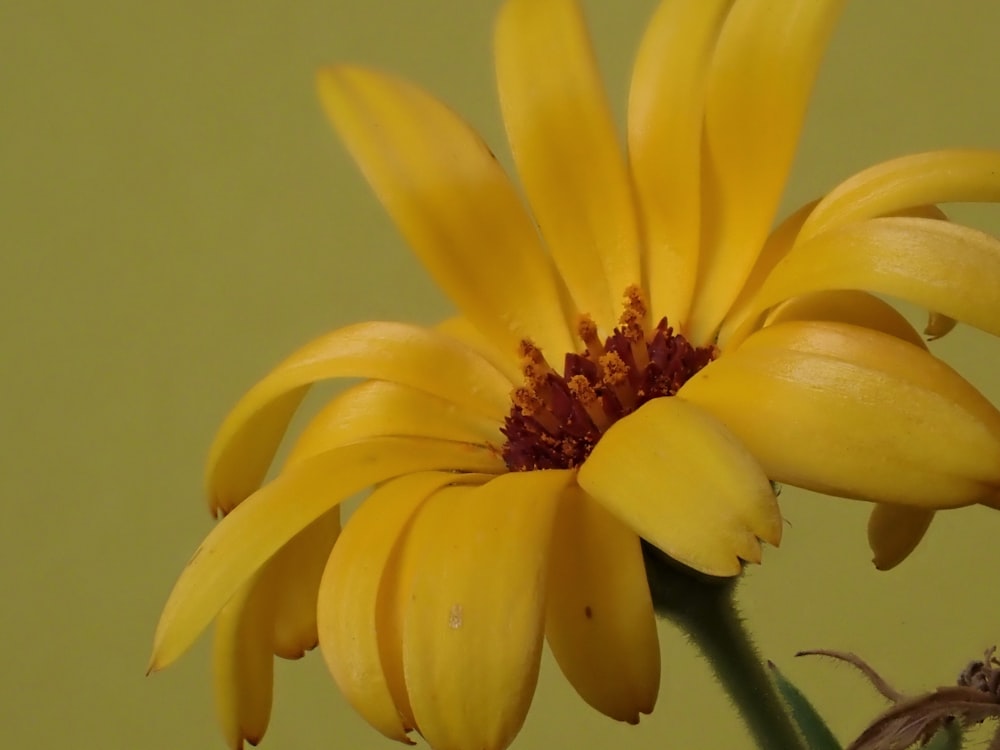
(242, 663)
(934, 177)
(506, 361)
(847, 306)
(665, 122)
(894, 531)
(352, 635)
(249, 536)
(777, 246)
(568, 156)
(473, 573)
(778, 243)
(417, 357)
(453, 203)
(684, 483)
(761, 76)
(377, 408)
(854, 412)
(298, 567)
(599, 616)
(937, 265)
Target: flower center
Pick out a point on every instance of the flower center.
(556, 420)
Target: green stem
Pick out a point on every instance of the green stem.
(704, 609)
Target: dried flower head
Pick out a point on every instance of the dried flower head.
(915, 720)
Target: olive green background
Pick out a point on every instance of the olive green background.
(176, 216)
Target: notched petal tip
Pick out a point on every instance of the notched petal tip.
(721, 501)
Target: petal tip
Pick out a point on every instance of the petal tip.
(882, 564)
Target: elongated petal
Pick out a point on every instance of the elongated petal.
(242, 663)
(894, 531)
(665, 122)
(352, 634)
(298, 567)
(238, 546)
(762, 73)
(678, 478)
(378, 408)
(778, 244)
(568, 156)
(599, 616)
(934, 177)
(451, 200)
(854, 412)
(847, 306)
(398, 352)
(507, 362)
(473, 573)
(937, 265)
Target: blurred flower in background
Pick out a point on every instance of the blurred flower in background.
(636, 358)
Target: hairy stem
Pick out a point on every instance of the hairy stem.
(704, 609)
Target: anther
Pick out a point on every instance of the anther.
(586, 328)
(584, 392)
(614, 375)
(531, 406)
(633, 326)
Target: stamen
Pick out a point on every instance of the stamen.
(586, 328)
(535, 368)
(584, 392)
(525, 398)
(529, 353)
(615, 376)
(556, 420)
(633, 323)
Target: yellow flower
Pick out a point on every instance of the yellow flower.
(519, 452)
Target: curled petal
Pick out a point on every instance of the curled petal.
(451, 200)
(568, 156)
(847, 306)
(779, 242)
(777, 245)
(854, 412)
(599, 615)
(410, 355)
(298, 566)
(665, 123)
(706, 503)
(242, 662)
(377, 408)
(505, 361)
(248, 537)
(357, 622)
(473, 572)
(937, 265)
(762, 74)
(934, 177)
(894, 531)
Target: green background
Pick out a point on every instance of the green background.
(176, 216)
